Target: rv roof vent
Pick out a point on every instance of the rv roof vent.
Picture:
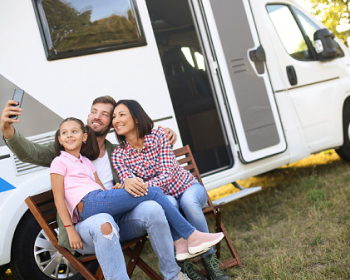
(24, 168)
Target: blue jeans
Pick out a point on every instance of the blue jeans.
(117, 202)
(108, 250)
(147, 217)
(191, 202)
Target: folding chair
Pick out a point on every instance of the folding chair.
(44, 210)
(186, 160)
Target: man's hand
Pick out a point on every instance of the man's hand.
(135, 186)
(171, 135)
(6, 122)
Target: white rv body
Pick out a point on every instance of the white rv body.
(305, 118)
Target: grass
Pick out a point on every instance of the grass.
(297, 227)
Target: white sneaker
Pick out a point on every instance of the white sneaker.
(182, 276)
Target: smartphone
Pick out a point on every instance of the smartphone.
(17, 96)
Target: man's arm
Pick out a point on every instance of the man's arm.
(24, 149)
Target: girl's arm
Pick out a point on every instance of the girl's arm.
(98, 181)
(57, 183)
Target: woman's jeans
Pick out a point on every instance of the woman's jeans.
(191, 202)
(117, 202)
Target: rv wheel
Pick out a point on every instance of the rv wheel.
(34, 256)
(344, 151)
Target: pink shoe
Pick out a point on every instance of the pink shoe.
(200, 242)
(181, 249)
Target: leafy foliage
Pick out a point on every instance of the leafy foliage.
(332, 13)
(71, 29)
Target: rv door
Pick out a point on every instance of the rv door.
(241, 61)
(314, 85)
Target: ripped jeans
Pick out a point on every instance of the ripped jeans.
(147, 217)
(106, 247)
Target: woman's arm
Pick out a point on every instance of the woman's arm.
(167, 162)
(133, 185)
(57, 183)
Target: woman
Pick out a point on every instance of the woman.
(144, 152)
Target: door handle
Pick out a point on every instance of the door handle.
(258, 56)
(292, 75)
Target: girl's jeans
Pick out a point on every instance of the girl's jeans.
(191, 202)
(117, 202)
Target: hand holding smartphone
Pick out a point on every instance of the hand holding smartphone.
(17, 96)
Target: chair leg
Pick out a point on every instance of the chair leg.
(218, 229)
(99, 273)
(134, 256)
(229, 244)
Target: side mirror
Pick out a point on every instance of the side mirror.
(326, 47)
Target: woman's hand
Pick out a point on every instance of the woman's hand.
(118, 186)
(135, 186)
(74, 238)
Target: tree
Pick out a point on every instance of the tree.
(332, 13)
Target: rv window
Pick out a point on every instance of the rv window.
(294, 39)
(79, 27)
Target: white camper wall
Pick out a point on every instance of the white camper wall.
(68, 86)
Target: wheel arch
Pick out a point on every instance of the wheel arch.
(14, 209)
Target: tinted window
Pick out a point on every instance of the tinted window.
(289, 32)
(78, 27)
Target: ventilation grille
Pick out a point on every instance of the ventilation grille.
(23, 167)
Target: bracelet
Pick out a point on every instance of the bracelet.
(68, 225)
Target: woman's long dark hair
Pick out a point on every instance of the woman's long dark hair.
(90, 148)
(141, 119)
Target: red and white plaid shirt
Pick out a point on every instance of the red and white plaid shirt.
(156, 164)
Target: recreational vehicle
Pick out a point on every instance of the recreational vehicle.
(250, 85)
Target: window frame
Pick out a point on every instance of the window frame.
(301, 28)
(47, 43)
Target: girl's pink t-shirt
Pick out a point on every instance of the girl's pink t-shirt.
(79, 179)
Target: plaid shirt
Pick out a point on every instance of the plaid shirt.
(156, 164)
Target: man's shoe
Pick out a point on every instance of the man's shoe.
(212, 268)
(187, 267)
(182, 276)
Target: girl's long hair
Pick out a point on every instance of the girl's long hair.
(89, 149)
(144, 122)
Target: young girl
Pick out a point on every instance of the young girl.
(79, 193)
(146, 153)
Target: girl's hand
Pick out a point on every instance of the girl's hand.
(118, 186)
(135, 186)
(74, 238)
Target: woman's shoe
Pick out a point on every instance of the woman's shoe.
(198, 241)
(181, 250)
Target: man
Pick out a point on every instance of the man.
(148, 217)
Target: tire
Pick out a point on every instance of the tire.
(34, 257)
(344, 151)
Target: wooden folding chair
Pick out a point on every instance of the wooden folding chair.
(44, 210)
(186, 160)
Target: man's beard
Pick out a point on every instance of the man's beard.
(102, 132)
